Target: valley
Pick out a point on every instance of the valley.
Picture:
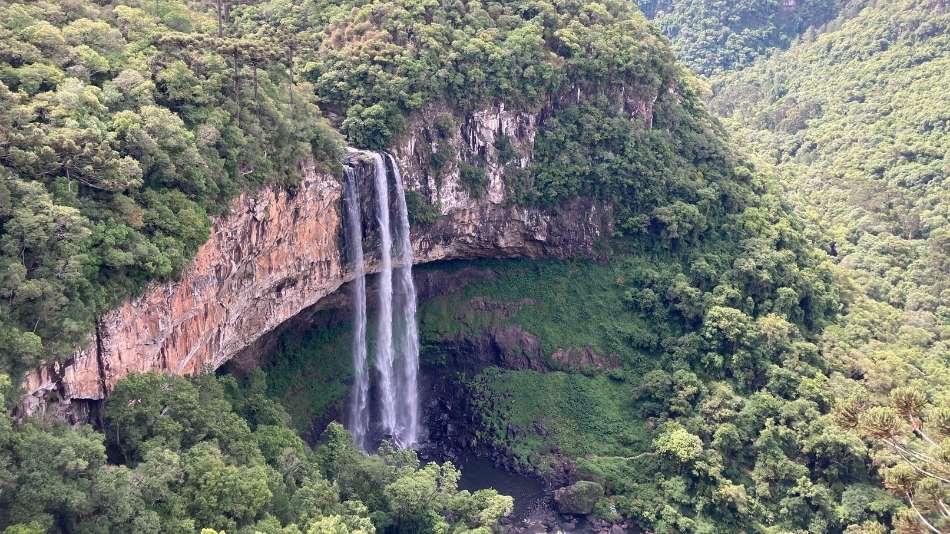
(400, 267)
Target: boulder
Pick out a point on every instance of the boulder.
(578, 498)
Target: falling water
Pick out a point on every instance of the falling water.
(384, 329)
(397, 334)
(359, 401)
(407, 339)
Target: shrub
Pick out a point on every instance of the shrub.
(421, 211)
(473, 179)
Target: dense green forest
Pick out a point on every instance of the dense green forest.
(716, 36)
(122, 127)
(206, 455)
(855, 122)
(770, 330)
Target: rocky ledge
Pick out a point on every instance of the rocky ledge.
(279, 251)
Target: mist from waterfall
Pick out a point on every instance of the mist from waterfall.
(407, 338)
(396, 343)
(359, 400)
(384, 325)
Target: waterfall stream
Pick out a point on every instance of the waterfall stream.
(407, 430)
(384, 325)
(396, 347)
(359, 401)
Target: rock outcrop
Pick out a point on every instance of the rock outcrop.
(278, 252)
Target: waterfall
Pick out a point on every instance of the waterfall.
(397, 334)
(359, 401)
(384, 328)
(407, 341)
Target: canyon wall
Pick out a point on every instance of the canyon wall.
(279, 251)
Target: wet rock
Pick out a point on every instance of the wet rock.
(578, 498)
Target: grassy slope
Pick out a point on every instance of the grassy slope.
(567, 305)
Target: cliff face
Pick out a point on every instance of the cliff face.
(278, 252)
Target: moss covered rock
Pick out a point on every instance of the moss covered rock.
(578, 498)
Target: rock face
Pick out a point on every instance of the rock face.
(278, 252)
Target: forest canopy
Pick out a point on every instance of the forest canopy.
(751, 383)
(714, 37)
(122, 128)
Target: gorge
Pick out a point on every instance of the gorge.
(279, 252)
(441, 267)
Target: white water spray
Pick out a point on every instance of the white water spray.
(384, 328)
(359, 401)
(407, 340)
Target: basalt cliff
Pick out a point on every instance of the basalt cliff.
(280, 251)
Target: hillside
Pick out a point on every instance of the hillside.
(680, 372)
(714, 37)
(855, 122)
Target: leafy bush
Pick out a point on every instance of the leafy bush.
(421, 211)
(473, 178)
(198, 455)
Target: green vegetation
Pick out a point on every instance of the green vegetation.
(543, 298)
(379, 60)
(473, 178)
(559, 411)
(713, 410)
(202, 453)
(716, 373)
(421, 211)
(310, 373)
(713, 37)
(121, 128)
(855, 122)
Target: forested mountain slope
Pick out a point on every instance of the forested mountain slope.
(857, 123)
(717, 36)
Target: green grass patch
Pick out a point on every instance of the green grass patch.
(569, 413)
(565, 304)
